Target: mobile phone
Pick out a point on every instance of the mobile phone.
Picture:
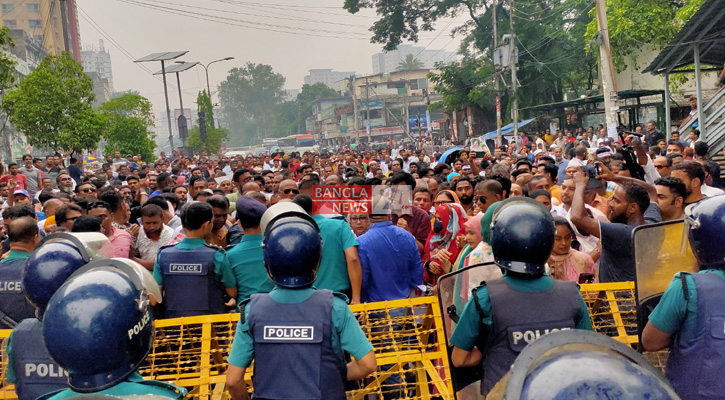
(586, 277)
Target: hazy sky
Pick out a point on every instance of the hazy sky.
(292, 36)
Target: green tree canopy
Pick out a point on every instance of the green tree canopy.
(634, 25)
(214, 136)
(549, 37)
(127, 121)
(410, 63)
(249, 96)
(53, 106)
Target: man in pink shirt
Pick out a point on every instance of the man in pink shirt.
(121, 241)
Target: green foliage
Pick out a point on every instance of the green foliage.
(7, 79)
(549, 36)
(53, 106)
(636, 25)
(214, 136)
(249, 96)
(462, 87)
(410, 63)
(127, 121)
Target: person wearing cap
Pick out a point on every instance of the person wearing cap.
(296, 334)
(247, 258)
(194, 267)
(24, 238)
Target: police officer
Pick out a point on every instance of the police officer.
(23, 237)
(98, 327)
(30, 367)
(504, 315)
(296, 334)
(689, 318)
(193, 274)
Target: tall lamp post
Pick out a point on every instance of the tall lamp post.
(206, 69)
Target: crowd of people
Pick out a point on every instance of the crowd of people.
(196, 221)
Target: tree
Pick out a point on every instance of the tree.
(53, 106)
(214, 136)
(7, 79)
(549, 37)
(248, 97)
(635, 24)
(460, 85)
(410, 63)
(127, 121)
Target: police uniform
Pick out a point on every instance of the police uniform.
(691, 311)
(133, 385)
(313, 325)
(13, 306)
(513, 313)
(194, 276)
(30, 367)
(504, 315)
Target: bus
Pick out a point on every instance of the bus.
(270, 143)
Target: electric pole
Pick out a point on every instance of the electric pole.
(513, 64)
(354, 104)
(367, 108)
(496, 80)
(609, 87)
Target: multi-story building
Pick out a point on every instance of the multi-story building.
(100, 89)
(98, 61)
(326, 76)
(44, 21)
(389, 106)
(389, 61)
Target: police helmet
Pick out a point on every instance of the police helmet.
(292, 249)
(57, 257)
(578, 365)
(98, 327)
(706, 221)
(281, 210)
(522, 235)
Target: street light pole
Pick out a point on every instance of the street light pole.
(206, 70)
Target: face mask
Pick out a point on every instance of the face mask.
(437, 226)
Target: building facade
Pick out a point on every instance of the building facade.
(43, 20)
(98, 60)
(326, 76)
(389, 61)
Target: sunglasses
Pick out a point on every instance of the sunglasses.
(294, 191)
(358, 219)
(88, 190)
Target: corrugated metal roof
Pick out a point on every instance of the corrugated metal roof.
(706, 29)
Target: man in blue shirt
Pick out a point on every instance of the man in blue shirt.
(390, 261)
(247, 257)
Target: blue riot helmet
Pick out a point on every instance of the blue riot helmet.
(522, 235)
(579, 365)
(292, 246)
(706, 221)
(98, 326)
(58, 256)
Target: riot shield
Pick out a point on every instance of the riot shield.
(454, 290)
(660, 251)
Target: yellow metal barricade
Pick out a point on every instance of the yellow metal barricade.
(407, 336)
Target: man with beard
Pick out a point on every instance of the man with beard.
(464, 190)
(633, 203)
(692, 174)
(152, 235)
(65, 183)
(671, 194)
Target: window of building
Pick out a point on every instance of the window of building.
(417, 84)
(7, 8)
(33, 8)
(35, 23)
(10, 23)
(38, 38)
